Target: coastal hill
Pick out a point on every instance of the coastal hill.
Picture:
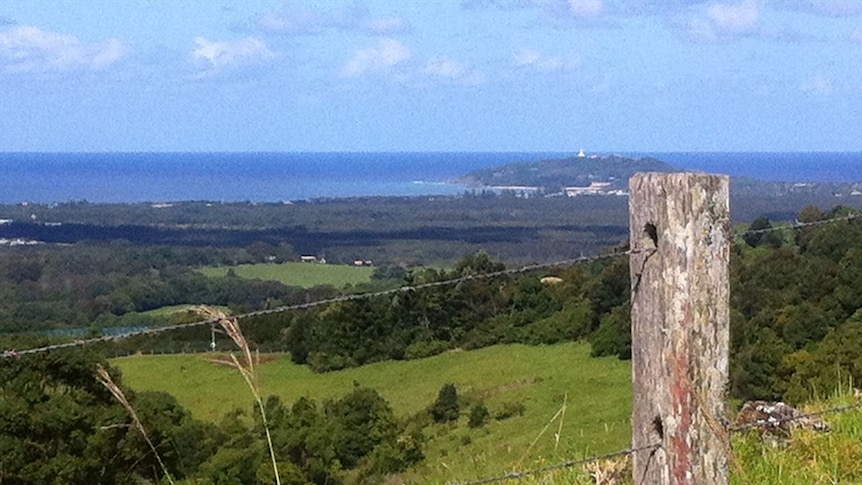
(609, 175)
(554, 175)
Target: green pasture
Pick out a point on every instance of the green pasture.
(590, 397)
(585, 401)
(305, 275)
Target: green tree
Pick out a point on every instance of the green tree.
(836, 363)
(760, 233)
(58, 425)
(446, 407)
(808, 214)
(608, 290)
(360, 421)
(614, 335)
(307, 439)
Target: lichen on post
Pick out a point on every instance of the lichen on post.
(680, 241)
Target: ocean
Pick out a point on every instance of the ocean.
(275, 177)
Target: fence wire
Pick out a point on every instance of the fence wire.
(518, 475)
(800, 225)
(559, 466)
(514, 475)
(772, 423)
(330, 301)
(777, 422)
(11, 353)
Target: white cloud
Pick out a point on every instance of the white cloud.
(216, 56)
(586, 8)
(31, 49)
(450, 69)
(740, 17)
(540, 62)
(387, 53)
(856, 35)
(721, 21)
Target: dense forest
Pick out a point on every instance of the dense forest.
(795, 327)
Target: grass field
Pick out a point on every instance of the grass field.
(596, 392)
(305, 275)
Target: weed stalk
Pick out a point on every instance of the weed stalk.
(105, 379)
(246, 369)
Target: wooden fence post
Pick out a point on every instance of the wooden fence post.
(680, 229)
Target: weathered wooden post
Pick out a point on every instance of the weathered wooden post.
(680, 228)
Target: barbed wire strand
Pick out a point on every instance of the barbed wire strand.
(302, 306)
(799, 225)
(566, 464)
(628, 451)
(796, 417)
(731, 429)
(454, 281)
(361, 296)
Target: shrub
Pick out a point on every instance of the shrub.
(510, 409)
(479, 415)
(446, 407)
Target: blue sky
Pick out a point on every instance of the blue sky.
(431, 75)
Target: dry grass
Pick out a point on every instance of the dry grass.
(105, 378)
(246, 366)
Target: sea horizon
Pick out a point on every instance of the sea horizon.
(140, 177)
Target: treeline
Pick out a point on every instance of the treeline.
(561, 304)
(99, 286)
(796, 322)
(796, 326)
(475, 313)
(795, 312)
(795, 296)
(59, 425)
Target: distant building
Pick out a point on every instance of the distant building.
(592, 189)
(581, 154)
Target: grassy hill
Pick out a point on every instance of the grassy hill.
(586, 400)
(596, 393)
(557, 173)
(305, 275)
